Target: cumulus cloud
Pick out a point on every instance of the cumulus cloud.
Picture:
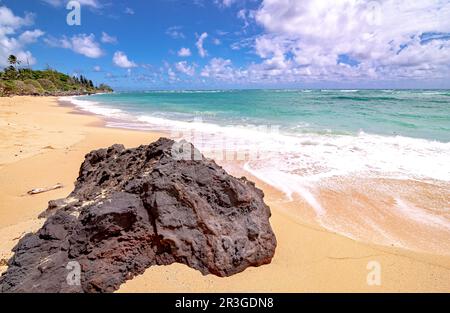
(201, 50)
(11, 42)
(10, 22)
(341, 41)
(185, 68)
(352, 38)
(120, 59)
(82, 44)
(30, 36)
(184, 52)
(108, 38)
(220, 69)
(97, 68)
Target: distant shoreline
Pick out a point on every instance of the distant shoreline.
(58, 94)
(15, 80)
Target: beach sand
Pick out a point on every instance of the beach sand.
(43, 143)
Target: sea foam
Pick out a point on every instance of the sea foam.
(308, 156)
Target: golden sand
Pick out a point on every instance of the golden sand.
(42, 143)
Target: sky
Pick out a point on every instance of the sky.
(210, 44)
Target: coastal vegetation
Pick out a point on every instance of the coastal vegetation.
(17, 80)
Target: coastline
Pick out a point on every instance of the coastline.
(43, 143)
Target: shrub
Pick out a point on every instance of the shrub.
(25, 74)
(9, 88)
(104, 87)
(35, 83)
(20, 87)
(37, 88)
(10, 73)
(47, 84)
(31, 90)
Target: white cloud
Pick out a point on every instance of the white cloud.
(171, 74)
(341, 41)
(108, 38)
(120, 59)
(201, 50)
(175, 32)
(184, 52)
(382, 39)
(219, 69)
(82, 44)
(225, 3)
(10, 43)
(90, 3)
(30, 36)
(243, 43)
(185, 68)
(97, 68)
(129, 11)
(242, 14)
(86, 45)
(10, 22)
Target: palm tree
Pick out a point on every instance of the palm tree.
(12, 59)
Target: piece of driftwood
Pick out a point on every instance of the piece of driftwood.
(41, 190)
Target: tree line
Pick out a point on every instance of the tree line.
(17, 80)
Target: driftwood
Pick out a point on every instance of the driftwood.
(41, 190)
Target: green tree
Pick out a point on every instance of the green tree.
(12, 60)
(10, 73)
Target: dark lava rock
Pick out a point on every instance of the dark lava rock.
(134, 208)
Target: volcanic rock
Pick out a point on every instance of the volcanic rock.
(134, 208)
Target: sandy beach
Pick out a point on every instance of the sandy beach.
(43, 143)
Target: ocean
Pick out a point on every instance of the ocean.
(301, 140)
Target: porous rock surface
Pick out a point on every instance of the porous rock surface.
(134, 208)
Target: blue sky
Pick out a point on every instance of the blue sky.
(163, 44)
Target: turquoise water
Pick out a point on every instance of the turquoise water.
(410, 113)
(297, 137)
